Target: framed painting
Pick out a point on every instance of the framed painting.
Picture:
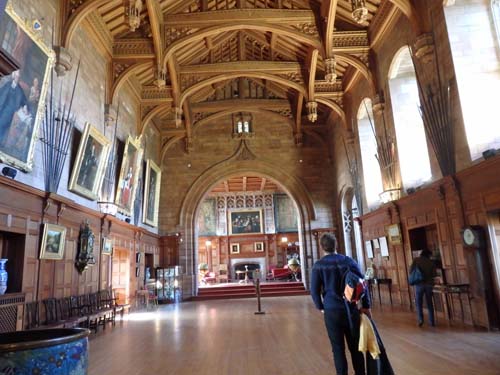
(235, 248)
(23, 92)
(245, 222)
(285, 214)
(90, 163)
(151, 194)
(207, 215)
(394, 233)
(384, 248)
(258, 247)
(369, 249)
(107, 246)
(129, 175)
(53, 241)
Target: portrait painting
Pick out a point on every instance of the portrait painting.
(129, 176)
(245, 222)
(207, 217)
(23, 92)
(235, 248)
(90, 163)
(285, 214)
(107, 246)
(258, 247)
(53, 238)
(151, 194)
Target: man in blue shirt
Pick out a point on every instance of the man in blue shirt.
(327, 291)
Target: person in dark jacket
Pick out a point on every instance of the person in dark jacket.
(328, 296)
(428, 270)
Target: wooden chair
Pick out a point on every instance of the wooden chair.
(223, 274)
(69, 315)
(32, 315)
(52, 315)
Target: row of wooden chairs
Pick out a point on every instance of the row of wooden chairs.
(89, 310)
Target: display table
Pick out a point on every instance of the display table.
(378, 282)
(448, 291)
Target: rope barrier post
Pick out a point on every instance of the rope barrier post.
(257, 290)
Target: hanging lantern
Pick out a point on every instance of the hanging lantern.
(359, 11)
(160, 77)
(312, 111)
(178, 116)
(134, 14)
(331, 70)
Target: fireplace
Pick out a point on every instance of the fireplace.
(239, 264)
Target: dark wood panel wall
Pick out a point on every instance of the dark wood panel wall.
(23, 209)
(448, 204)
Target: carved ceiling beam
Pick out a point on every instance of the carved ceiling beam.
(174, 80)
(311, 63)
(407, 8)
(353, 42)
(263, 184)
(329, 9)
(157, 28)
(181, 40)
(222, 17)
(188, 125)
(133, 49)
(298, 120)
(154, 94)
(242, 67)
(242, 104)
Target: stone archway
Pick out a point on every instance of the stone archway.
(233, 167)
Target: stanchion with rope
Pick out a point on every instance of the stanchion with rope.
(257, 292)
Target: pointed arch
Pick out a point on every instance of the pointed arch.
(224, 77)
(124, 76)
(151, 114)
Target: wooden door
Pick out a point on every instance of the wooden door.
(120, 272)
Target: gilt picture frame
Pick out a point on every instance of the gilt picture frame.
(258, 247)
(234, 248)
(24, 91)
(151, 202)
(243, 222)
(129, 176)
(53, 242)
(90, 163)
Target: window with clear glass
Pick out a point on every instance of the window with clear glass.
(474, 35)
(368, 145)
(413, 152)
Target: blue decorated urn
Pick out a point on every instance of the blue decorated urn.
(3, 276)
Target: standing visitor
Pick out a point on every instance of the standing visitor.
(424, 288)
(327, 291)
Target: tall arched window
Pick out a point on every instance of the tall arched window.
(474, 33)
(410, 134)
(371, 169)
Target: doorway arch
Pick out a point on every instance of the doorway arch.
(351, 229)
(237, 167)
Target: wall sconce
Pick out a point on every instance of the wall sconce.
(85, 255)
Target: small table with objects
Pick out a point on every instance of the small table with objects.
(378, 282)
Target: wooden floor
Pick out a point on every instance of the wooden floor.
(224, 337)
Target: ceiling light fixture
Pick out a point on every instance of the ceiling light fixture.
(331, 70)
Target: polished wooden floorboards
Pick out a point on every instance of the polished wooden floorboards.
(225, 338)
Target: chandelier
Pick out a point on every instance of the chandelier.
(359, 11)
(331, 71)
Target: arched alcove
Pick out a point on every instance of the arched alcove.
(237, 167)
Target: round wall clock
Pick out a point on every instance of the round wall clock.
(472, 236)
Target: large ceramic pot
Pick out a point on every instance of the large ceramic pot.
(51, 351)
(3, 276)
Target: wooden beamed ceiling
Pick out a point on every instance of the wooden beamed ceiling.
(211, 52)
(244, 184)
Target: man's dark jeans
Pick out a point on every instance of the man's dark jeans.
(421, 291)
(337, 326)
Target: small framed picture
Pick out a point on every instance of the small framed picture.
(394, 233)
(369, 250)
(384, 249)
(235, 248)
(258, 247)
(376, 244)
(53, 241)
(107, 246)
